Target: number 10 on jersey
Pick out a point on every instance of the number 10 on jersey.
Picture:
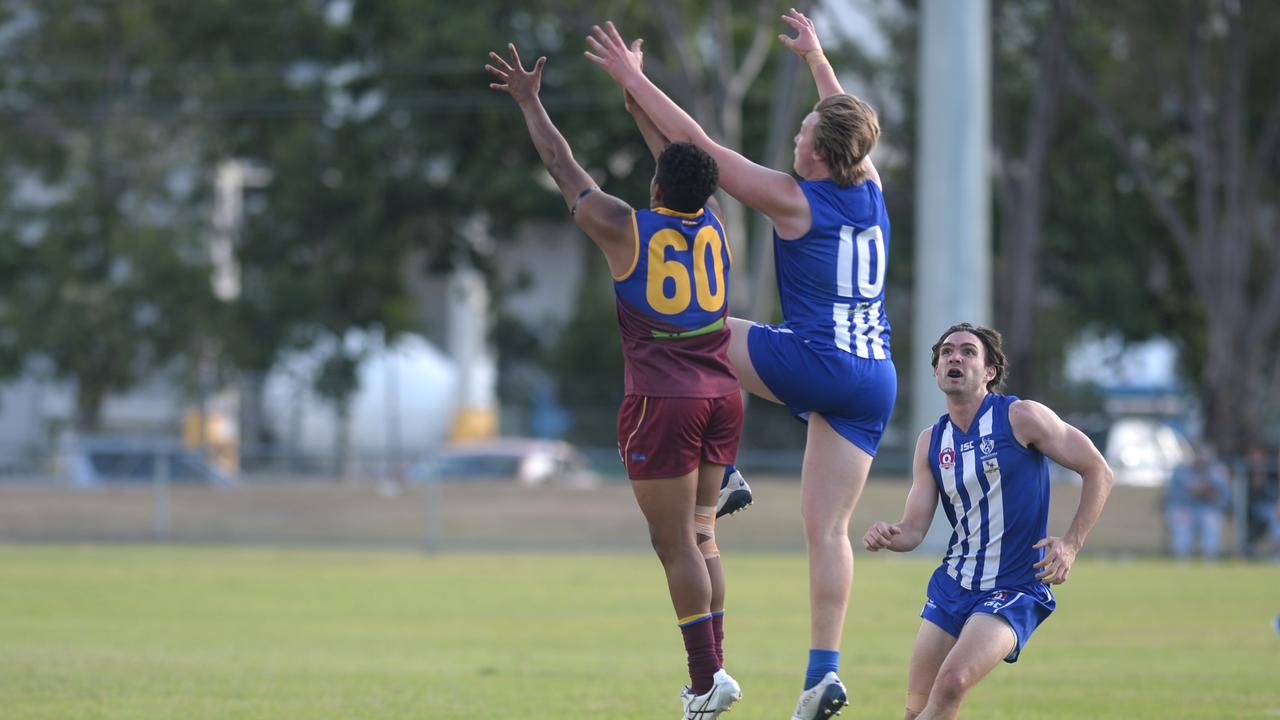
(869, 247)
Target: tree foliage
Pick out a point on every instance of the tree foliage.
(1184, 98)
(107, 281)
(1137, 174)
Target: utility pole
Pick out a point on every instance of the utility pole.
(953, 194)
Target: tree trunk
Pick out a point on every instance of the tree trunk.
(782, 125)
(1223, 241)
(1229, 410)
(1022, 206)
(252, 431)
(89, 408)
(715, 99)
(342, 460)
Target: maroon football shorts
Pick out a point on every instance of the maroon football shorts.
(666, 437)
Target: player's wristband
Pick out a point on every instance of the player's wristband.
(574, 210)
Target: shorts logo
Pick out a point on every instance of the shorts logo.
(988, 445)
(947, 458)
(637, 457)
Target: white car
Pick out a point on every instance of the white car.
(1143, 451)
(525, 461)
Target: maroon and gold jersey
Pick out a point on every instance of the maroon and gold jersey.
(672, 305)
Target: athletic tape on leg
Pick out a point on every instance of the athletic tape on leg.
(704, 525)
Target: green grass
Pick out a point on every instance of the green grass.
(143, 633)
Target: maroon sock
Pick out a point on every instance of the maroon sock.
(700, 645)
(717, 629)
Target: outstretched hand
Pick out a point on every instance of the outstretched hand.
(1059, 556)
(805, 43)
(612, 53)
(522, 85)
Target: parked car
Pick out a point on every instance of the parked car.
(1144, 451)
(525, 461)
(94, 461)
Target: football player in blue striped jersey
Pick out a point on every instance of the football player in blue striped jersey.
(987, 460)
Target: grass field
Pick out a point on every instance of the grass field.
(143, 633)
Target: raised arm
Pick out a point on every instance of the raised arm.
(605, 218)
(653, 137)
(806, 45)
(1035, 424)
(922, 500)
(776, 194)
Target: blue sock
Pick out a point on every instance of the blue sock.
(821, 662)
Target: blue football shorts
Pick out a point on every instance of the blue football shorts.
(1024, 607)
(854, 395)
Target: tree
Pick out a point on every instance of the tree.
(108, 280)
(1205, 162)
(1030, 41)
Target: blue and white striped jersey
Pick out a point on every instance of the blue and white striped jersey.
(995, 493)
(831, 279)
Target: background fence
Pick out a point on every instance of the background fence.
(472, 516)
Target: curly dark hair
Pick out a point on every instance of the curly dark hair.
(687, 176)
(992, 350)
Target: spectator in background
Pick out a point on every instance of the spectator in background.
(1262, 492)
(1195, 502)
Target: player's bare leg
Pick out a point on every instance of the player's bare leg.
(667, 505)
(984, 642)
(831, 480)
(709, 476)
(740, 357)
(931, 648)
(683, 536)
(735, 494)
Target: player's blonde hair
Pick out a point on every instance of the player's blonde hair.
(847, 130)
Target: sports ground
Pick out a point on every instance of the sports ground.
(143, 632)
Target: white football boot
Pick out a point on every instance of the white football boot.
(735, 493)
(823, 700)
(723, 694)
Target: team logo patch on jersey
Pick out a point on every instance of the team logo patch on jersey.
(990, 466)
(988, 445)
(947, 459)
